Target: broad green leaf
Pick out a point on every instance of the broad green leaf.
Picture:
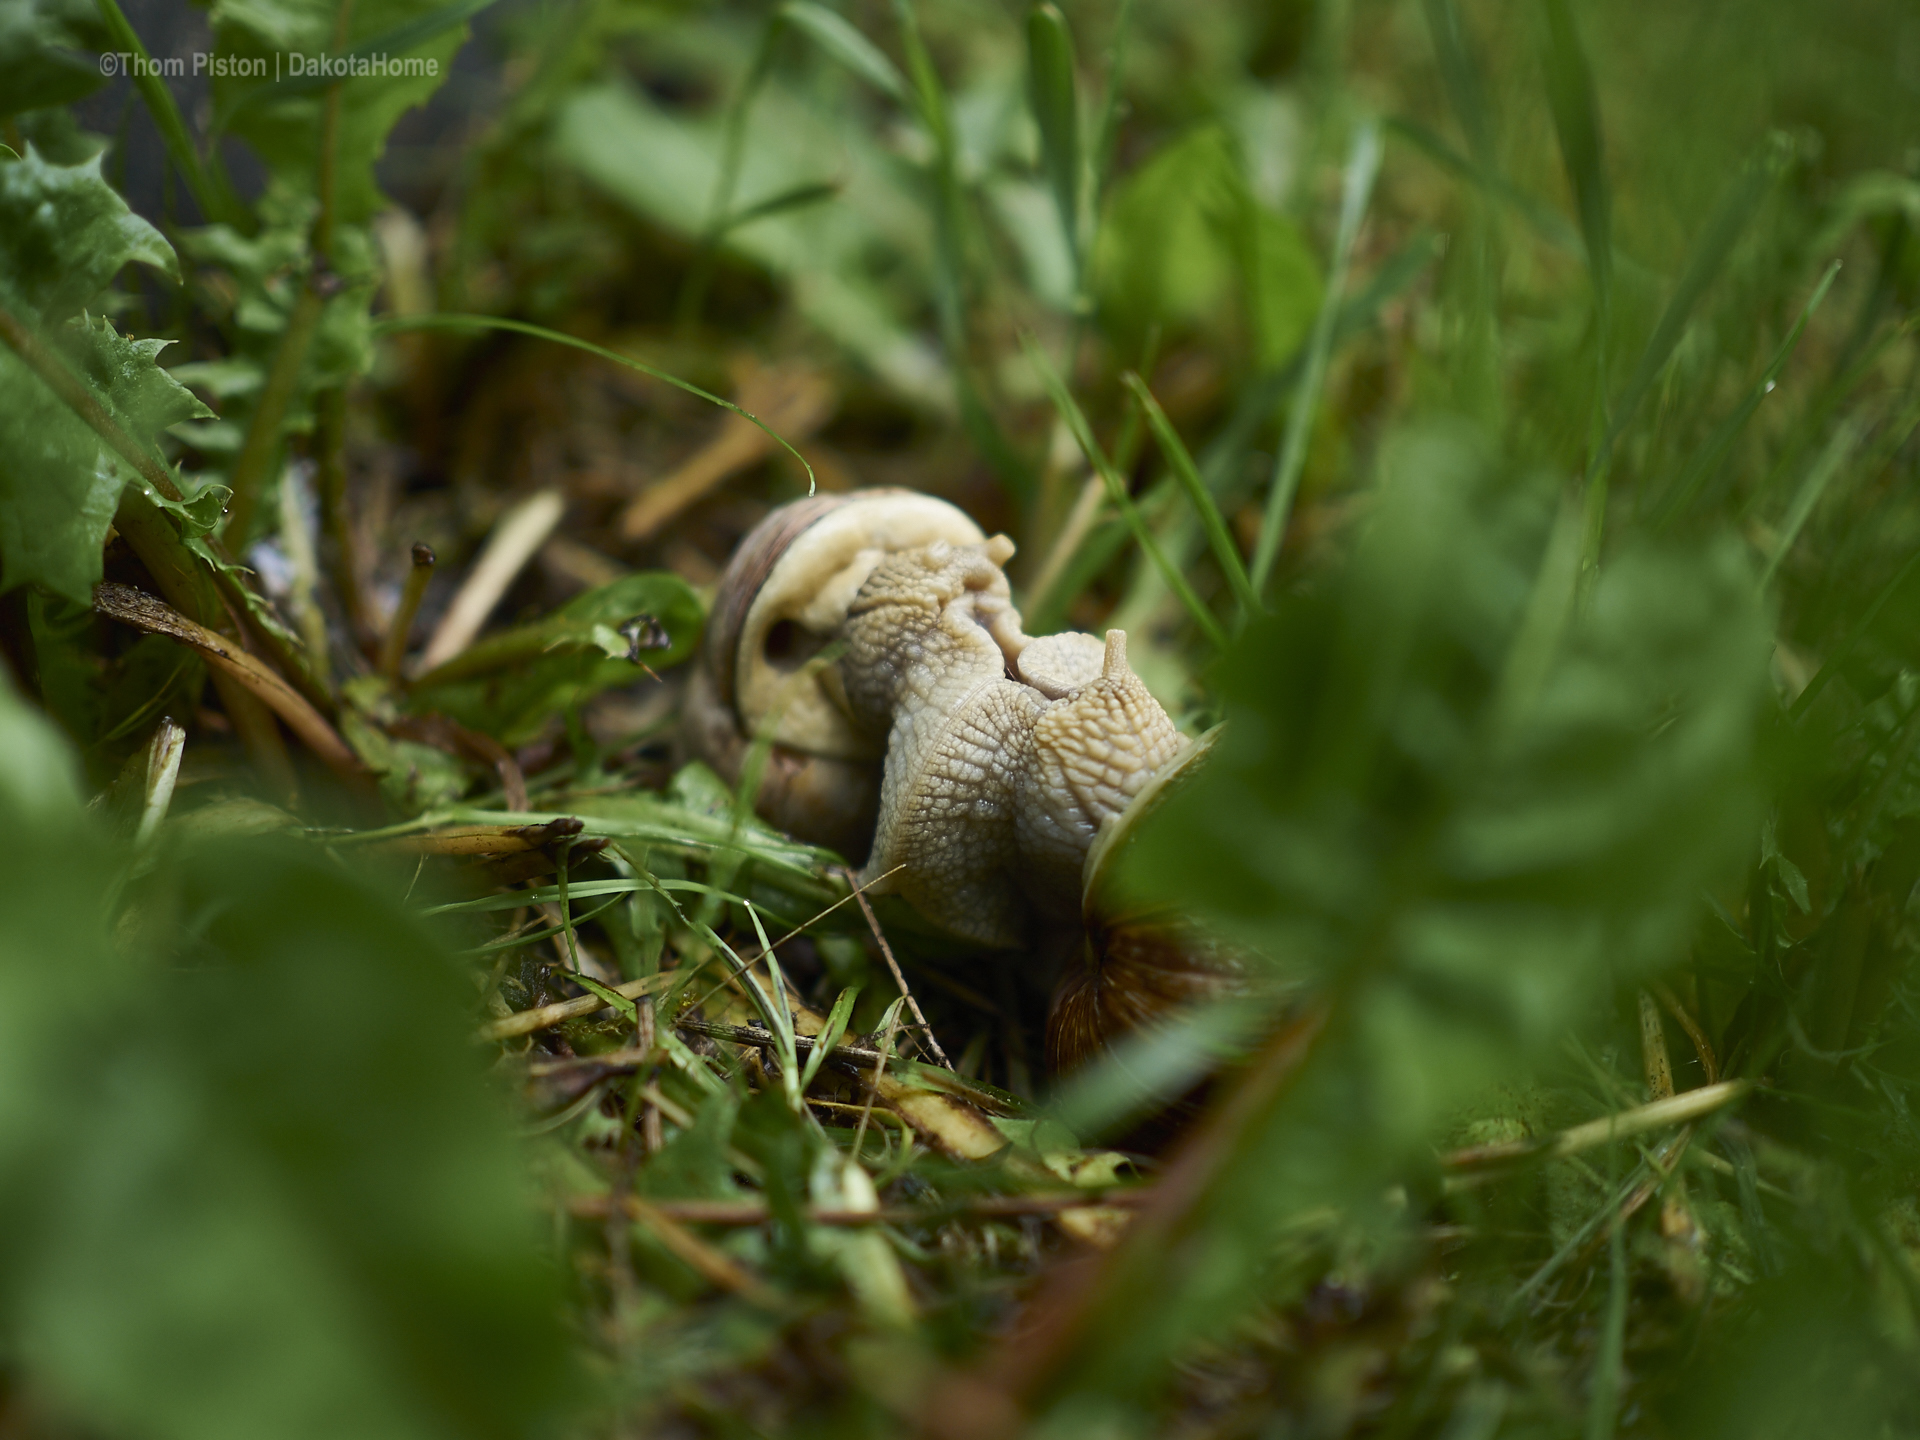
(283, 123)
(37, 66)
(511, 683)
(58, 490)
(1461, 883)
(317, 1225)
(1184, 243)
(63, 235)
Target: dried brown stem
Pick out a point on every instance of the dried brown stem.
(394, 650)
(757, 1212)
(133, 607)
(525, 1022)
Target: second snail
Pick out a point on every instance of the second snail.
(986, 776)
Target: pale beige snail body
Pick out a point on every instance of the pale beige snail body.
(984, 764)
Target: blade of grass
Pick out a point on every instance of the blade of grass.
(1546, 222)
(951, 215)
(1461, 77)
(1603, 1403)
(1824, 676)
(829, 1035)
(1576, 121)
(797, 198)
(1819, 476)
(1224, 552)
(1070, 411)
(1054, 96)
(693, 291)
(211, 190)
(445, 320)
(1108, 133)
(844, 43)
(1363, 164)
(1729, 429)
(1704, 263)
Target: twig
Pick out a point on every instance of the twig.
(767, 1040)
(1702, 1046)
(515, 539)
(757, 1212)
(1086, 508)
(886, 951)
(525, 1022)
(1688, 1105)
(709, 1263)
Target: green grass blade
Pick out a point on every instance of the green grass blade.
(1363, 165)
(1181, 462)
(1461, 77)
(629, 1008)
(453, 321)
(1546, 222)
(1709, 255)
(840, 40)
(1824, 675)
(829, 1035)
(1819, 476)
(1603, 1401)
(797, 198)
(1108, 133)
(1729, 429)
(1054, 96)
(1069, 410)
(208, 182)
(1576, 120)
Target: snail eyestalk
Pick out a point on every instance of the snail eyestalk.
(394, 650)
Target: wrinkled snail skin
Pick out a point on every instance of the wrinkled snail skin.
(995, 787)
(1094, 749)
(928, 642)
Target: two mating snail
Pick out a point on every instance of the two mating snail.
(987, 775)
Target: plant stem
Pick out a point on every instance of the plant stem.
(1363, 164)
(394, 650)
(330, 424)
(262, 444)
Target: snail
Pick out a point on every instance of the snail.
(780, 602)
(987, 776)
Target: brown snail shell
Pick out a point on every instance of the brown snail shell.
(780, 602)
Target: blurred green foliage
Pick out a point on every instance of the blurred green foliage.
(1584, 690)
